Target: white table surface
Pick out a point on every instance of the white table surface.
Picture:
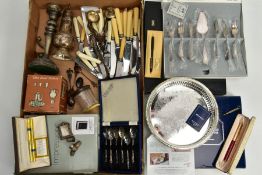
(13, 22)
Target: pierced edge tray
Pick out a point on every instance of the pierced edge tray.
(208, 98)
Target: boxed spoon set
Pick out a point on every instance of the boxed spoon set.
(100, 75)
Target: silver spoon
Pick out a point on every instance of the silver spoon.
(133, 133)
(116, 136)
(106, 138)
(127, 141)
(235, 31)
(181, 31)
(110, 138)
(228, 55)
(218, 29)
(121, 133)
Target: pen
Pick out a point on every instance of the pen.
(233, 141)
(33, 150)
(152, 54)
(29, 139)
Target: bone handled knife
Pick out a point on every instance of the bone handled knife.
(117, 47)
(128, 48)
(109, 58)
(135, 46)
(79, 39)
(114, 48)
(136, 51)
(107, 55)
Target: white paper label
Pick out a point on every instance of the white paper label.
(162, 160)
(83, 125)
(41, 147)
(177, 9)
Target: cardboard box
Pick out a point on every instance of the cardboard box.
(46, 94)
(36, 27)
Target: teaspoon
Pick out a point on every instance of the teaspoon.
(110, 137)
(121, 133)
(133, 133)
(127, 141)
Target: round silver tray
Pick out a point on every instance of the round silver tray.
(169, 106)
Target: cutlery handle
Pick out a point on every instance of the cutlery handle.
(135, 21)
(105, 156)
(229, 55)
(109, 32)
(116, 156)
(110, 156)
(122, 156)
(138, 29)
(101, 21)
(235, 49)
(87, 63)
(181, 49)
(127, 159)
(133, 157)
(191, 49)
(84, 56)
(122, 48)
(129, 23)
(119, 22)
(79, 19)
(132, 28)
(217, 48)
(125, 21)
(76, 28)
(82, 37)
(115, 30)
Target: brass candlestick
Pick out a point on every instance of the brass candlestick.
(64, 40)
(42, 64)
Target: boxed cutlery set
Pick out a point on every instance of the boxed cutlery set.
(100, 75)
(206, 41)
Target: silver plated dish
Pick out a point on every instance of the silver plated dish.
(170, 105)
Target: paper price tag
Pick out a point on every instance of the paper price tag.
(177, 9)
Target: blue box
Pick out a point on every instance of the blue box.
(120, 106)
(226, 104)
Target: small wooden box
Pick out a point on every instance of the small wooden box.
(45, 94)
